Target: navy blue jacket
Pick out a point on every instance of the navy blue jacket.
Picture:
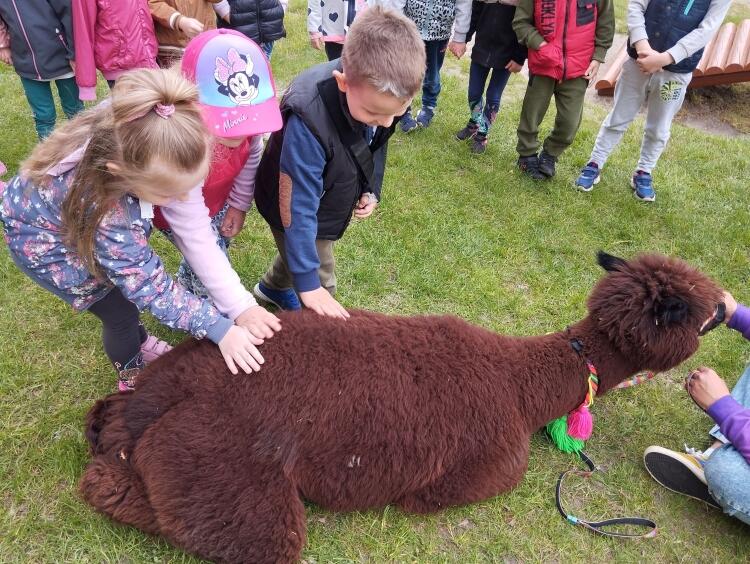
(41, 37)
(668, 21)
(260, 20)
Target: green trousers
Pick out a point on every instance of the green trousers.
(569, 96)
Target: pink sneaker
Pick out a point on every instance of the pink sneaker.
(152, 348)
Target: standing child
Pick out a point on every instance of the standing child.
(203, 224)
(665, 45)
(176, 22)
(567, 41)
(78, 222)
(113, 37)
(329, 159)
(435, 19)
(329, 21)
(496, 49)
(36, 37)
(260, 20)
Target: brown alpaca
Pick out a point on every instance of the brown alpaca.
(422, 412)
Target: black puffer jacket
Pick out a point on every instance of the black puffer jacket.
(495, 43)
(260, 20)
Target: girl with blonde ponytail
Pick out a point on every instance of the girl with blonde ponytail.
(78, 217)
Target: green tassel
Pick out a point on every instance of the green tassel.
(558, 432)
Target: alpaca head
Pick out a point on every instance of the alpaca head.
(652, 308)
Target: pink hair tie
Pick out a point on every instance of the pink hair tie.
(164, 110)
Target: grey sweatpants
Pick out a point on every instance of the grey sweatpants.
(663, 93)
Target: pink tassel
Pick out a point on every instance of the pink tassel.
(580, 423)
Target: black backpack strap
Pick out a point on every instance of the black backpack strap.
(353, 138)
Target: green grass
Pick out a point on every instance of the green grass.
(456, 233)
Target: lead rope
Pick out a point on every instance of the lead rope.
(568, 433)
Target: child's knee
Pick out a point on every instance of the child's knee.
(727, 474)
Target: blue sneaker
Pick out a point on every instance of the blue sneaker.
(407, 123)
(642, 186)
(282, 299)
(590, 175)
(425, 115)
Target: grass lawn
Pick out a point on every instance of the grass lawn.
(456, 233)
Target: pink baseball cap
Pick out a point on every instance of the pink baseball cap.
(235, 84)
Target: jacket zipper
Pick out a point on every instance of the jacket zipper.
(33, 57)
(62, 39)
(260, 27)
(565, 41)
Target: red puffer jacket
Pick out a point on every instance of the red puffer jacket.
(113, 37)
(568, 27)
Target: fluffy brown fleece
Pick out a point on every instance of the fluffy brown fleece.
(422, 412)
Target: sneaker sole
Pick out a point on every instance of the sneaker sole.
(676, 474)
(637, 197)
(409, 129)
(590, 188)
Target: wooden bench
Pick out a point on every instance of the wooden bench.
(726, 60)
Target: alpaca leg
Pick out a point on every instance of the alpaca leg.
(473, 481)
(113, 488)
(216, 491)
(105, 425)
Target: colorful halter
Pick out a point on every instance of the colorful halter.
(570, 431)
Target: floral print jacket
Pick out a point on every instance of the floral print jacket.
(33, 232)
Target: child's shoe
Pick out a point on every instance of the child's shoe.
(547, 164)
(530, 166)
(680, 472)
(643, 189)
(468, 132)
(407, 122)
(126, 379)
(479, 143)
(152, 348)
(282, 299)
(425, 115)
(590, 175)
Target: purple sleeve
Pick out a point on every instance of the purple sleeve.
(741, 321)
(734, 421)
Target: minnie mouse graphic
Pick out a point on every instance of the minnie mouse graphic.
(236, 79)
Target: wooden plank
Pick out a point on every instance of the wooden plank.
(739, 56)
(722, 47)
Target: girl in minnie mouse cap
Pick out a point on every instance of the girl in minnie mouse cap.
(238, 102)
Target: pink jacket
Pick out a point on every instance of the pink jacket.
(113, 37)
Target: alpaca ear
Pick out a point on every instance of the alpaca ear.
(610, 263)
(671, 310)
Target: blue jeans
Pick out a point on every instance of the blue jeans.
(484, 117)
(435, 51)
(39, 96)
(727, 471)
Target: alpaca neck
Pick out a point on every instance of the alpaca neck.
(558, 375)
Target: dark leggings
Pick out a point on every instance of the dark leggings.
(333, 50)
(477, 79)
(122, 332)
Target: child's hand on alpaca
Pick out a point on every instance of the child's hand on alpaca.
(731, 306)
(654, 62)
(316, 41)
(513, 66)
(705, 387)
(238, 349)
(592, 71)
(232, 222)
(189, 26)
(458, 49)
(366, 205)
(5, 56)
(259, 321)
(322, 303)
